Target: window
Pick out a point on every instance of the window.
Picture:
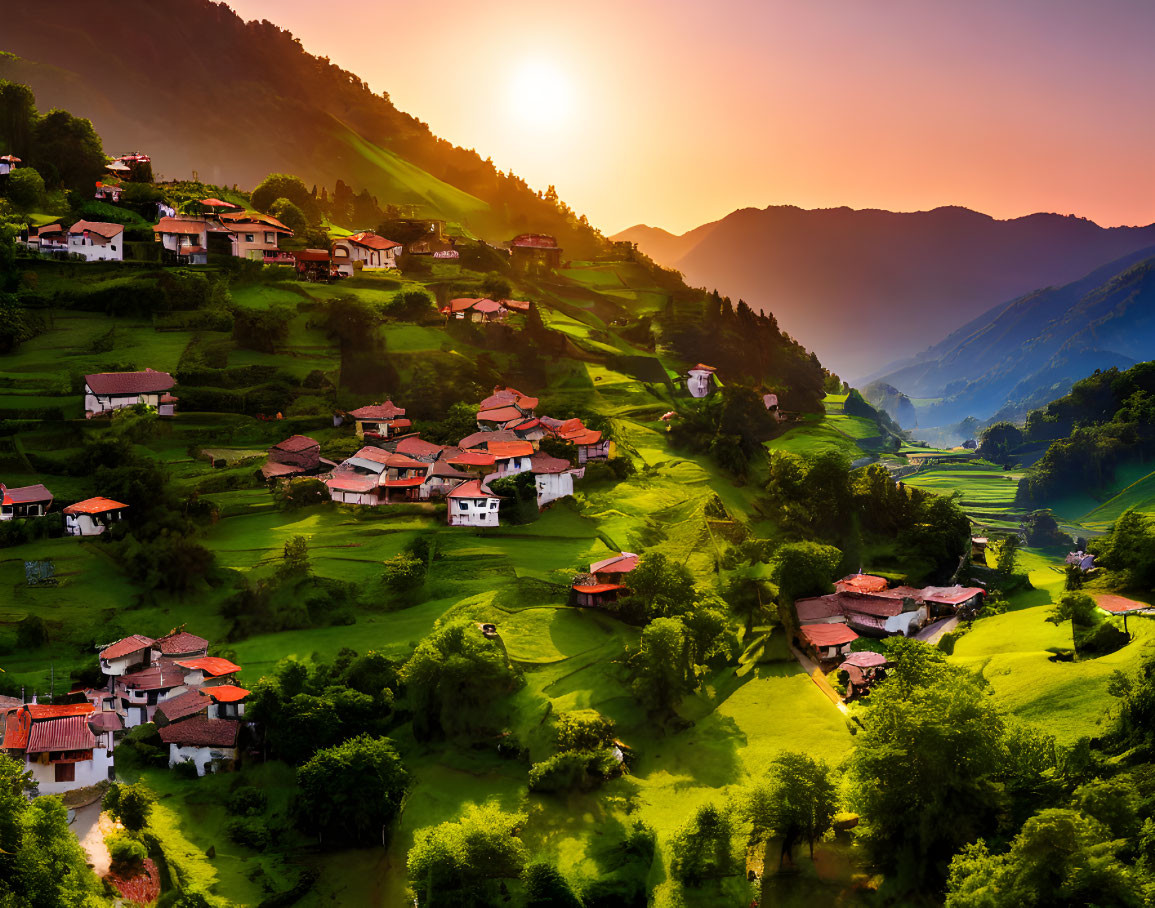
(249, 237)
(270, 237)
(463, 505)
(113, 248)
(65, 772)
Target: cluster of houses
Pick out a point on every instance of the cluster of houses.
(89, 517)
(482, 309)
(192, 697)
(396, 464)
(866, 605)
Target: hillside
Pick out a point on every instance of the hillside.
(864, 288)
(1031, 350)
(234, 101)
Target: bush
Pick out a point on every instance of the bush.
(186, 769)
(403, 573)
(126, 853)
(247, 801)
(584, 730)
(574, 769)
(254, 832)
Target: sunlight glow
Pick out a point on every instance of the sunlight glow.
(541, 95)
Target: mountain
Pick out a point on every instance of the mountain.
(661, 245)
(893, 402)
(1032, 349)
(198, 89)
(866, 287)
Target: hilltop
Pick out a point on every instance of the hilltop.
(864, 288)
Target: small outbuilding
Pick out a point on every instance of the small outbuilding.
(210, 744)
(92, 516)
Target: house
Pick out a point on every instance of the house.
(826, 641)
(96, 241)
(256, 237)
(228, 701)
(590, 443)
(510, 457)
(861, 671)
(51, 239)
(472, 506)
(92, 516)
(380, 420)
(183, 706)
(505, 408)
(1082, 560)
(482, 438)
(589, 593)
(107, 192)
(610, 570)
(167, 405)
(874, 614)
(770, 401)
(441, 478)
(25, 501)
(700, 380)
(126, 655)
(186, 238)
(478, 310)
(416, 447)
(314, 265)
(979, 549)
(351, 487)
(207, 671)
(108, 391)
(139, 693)
(57, 745)
(476, 463)
(8, 163)
(553, 477)
(375, 253)
(963, 601)
(297, 455)
(210, 744)
(861, 583)
(534, 253)
(179, 644)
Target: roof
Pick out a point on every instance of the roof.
(226, 693)
(351, 482)
(181, 225)
(387, 410)
(482, 438)
(500, 414)
(371, 241)
(411, 483)
(504, 449)
(544, 463)
(25, 494)
(861, 583)
(128, 645)
(619, 564)
(94, 506)
(271, 470)
(157, 677)
(827, 634)
(702, 367)
(471, 489)
(200, 732)
(100, 228)
(534, 240)
(444, 470)
(866, 659)
(519, 305)
(586, 437)
(597, 587)
(472, 459)
(37, 711)
(403, 462)
(71, 733)
(311, 255)
(815, 608)
(211, 665)
(17, 725)
(105, 721)
(376, 455)
(527, 425)
(415, 446)
(462, 303)
(217, 203)
(182, 644)
(882, 607)
(487, 306)
(296, 443)
(184, 705)
(951, 595)
(1119, 605)
(129, 382)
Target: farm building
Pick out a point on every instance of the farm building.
(874, 614)
(297, 455)
(96, 241)
(700, 381)
(826, 641)
(534, 253)
(380, 420)
(210, 744)
(953, 600)
(92, 516)
(472, 506)
(861, 671)
(25, 501)
(108, 391)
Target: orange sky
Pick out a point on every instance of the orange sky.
(675, 113)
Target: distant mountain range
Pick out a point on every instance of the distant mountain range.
(198, 89)
(864, 288)
(1029, 351)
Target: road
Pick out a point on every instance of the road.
(86, 825)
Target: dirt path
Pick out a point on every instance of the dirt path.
(86, 825)
(932, 632)
(812, 669)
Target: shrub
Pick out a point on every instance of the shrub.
(247, 801)
(254, 832)
(185, 769)
(403, 573)
(126, 853)
(573, 769)
(584, 730)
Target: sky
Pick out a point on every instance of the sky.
(674, 113)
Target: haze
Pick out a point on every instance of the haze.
(674, 113)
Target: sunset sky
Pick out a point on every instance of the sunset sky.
(674, 113)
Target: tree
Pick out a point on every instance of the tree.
(703, 849)
(133, 806)
(282, 186)
(1078, 608)
(798, 803)
(18, 118)
(999, 441)
(67, 152)
(411, 305)
(1127, 551)
(1060, 857)
(461, 863)
(750, 595)
(545, 887)
(662, 672)
(663, 588)
(303, 491)
(804, 569)
(351, 792)
(585, 729)
(46, 865)
(296, 556)
(1008, 551)
(496, 287)
(453, 677)
(289, 215)
(16, 324)
(26, 189)
(403, 573)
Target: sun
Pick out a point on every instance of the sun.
(541, 95)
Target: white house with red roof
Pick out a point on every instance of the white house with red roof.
(209, 744)
(138, 693)
(96, 241)
(186, 238)
(375, 253)
(380, 420)
(826, 641)
(590, 443)
(24, 501)
(553, 477)
(207, 671)
(108, 391)
(604, 582)
(107, 192)
(255, 236)
(51, 240)
(470, 505)
(8, 163)
(442, 478)
(57, 745)
(510, 457)
(126, 655)
(700, 381)
(92, 516)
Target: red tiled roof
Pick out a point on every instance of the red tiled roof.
(702, 367)
(484, 437)
(504, 449)
(404, 462)
(148, 381)
(71, 733)
(312, 255)
(371, 241)
(200, 732)
(105, 721)
(351, 482)
(214, 666)
(443, 470)
(387, 410)
(128, 645)
(17, 724)
(417, 447)
(471, 489)
(1119, 605)
(217, 203)
(462, 303)
(534, 241)
(377, 455)
(157, 677)
(272, 470)
(227, 693)
(183, 226)
(411, 483)
(501, 397)
(598, 588)
(472, 459)
(951, 595)
(500, 414)
(544, 463)
(618, 564)
(866, 659)
(882, 607)
(94, 506)
(519, 305)
(24, 494)
(296, 443)
(182, 644)
(100, 228)
(184, 705)
(526, 426)
(818, 607)
(861, 583)
(48, 711)
(587, 437)
(827, 634)
(487, 306)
